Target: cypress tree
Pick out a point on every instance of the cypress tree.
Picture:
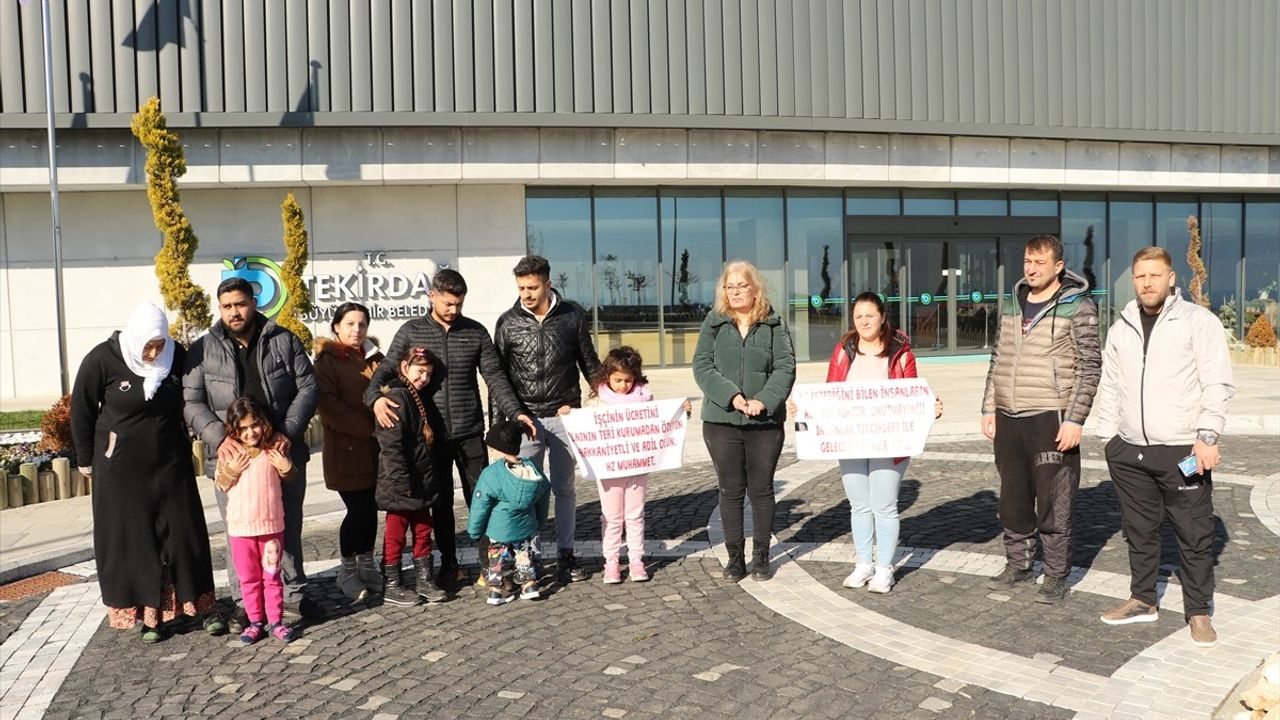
(297, 298)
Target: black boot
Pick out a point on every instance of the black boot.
(737, 567)
(394, 592)
(426, 584)
(760, 569)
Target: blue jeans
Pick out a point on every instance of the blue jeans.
(552, 437)
(872, 487)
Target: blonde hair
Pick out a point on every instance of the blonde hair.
(761, 308)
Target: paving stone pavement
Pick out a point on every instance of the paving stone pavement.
(685, 644)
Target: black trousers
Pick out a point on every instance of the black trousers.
(1148, 481)
(1038, 486)
(470, 457)
(745, 459)
(359, 529)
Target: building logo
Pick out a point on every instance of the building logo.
(265, 277)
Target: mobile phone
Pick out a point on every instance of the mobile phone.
(1189, 465)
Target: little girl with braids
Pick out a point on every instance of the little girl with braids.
(407, 480)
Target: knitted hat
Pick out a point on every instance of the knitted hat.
(505, 437)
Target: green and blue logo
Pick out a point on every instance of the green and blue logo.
(265, 277)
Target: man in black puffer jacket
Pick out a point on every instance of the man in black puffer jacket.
(544, 342)
(458, 347)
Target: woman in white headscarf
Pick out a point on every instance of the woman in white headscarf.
(149, 537)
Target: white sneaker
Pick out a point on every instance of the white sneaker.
(882, 582)
(860, 575)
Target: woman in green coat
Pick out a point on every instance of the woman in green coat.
(745, 366)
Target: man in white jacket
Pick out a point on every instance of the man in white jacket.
(1166, 383)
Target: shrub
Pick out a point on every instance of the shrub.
(1261, 333)
(55, 427)
(297, 300)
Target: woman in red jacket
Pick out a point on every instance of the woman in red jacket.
(872, 350)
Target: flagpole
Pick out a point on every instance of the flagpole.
(53, 200)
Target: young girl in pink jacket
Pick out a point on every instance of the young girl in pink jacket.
(255, 518)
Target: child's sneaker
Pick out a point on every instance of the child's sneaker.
(253, 632)
(530, 590)
(612, 572)
(499, 597)
(283, 633)
(638, 573)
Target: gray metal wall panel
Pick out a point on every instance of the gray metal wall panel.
(33, 56)
(233, 59)
(79, 53)
(504, 63)
(659, 54)
(253, 29)
(852, 39)
(898, 68)
(544, 86)
(1038, 48)
(601, 57)
(819, 73)
(1054, 65)
(918, 49)
(786, 58)
(1162, 91)
(620, 44)
(12, 97)
(766, 14)
(142, 39)
(802, 41)
(732, 32)
(982, 73)
(167, 40)
(583, 101)
(61, 72)
(677, 44)
(950, 58)
(835, 59)
(522, 19)
(339, 55)
(1097, 46)
(361, 57)
(401, 57)
(562, 36)
(713, 49)
(933, 59)
(481, 13)
(964, 60)
(189, 54)
(695, 46)
(1012, 62)
(871, 92)
(279, 99)
(442, 56)
(317, 53)
(640, 71)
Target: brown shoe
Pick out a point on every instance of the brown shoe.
(1202, 633)
(1132, 610)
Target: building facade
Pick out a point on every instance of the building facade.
(909, 147)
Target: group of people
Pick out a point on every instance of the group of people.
(397, 424)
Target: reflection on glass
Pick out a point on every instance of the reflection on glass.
(815, 252)
(875, 266)
(558, 227)
(976, 293)
(1033, 202)
(1131, 230)
(928, 202)
(926, 291)
(1172, 235)
(753, 231)
(691, 258)
(1084, 244)
(627, 270)
(983, 202)
(1221, 232)
(1262, 267)
(872, 202)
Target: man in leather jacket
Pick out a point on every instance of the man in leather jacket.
(544, 342)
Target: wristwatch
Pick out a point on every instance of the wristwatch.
(1208, 437)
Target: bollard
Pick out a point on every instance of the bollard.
(48, 486)
(4, 489)
(13, 488)
(77, 482)
(88, 484)
(62, 471)
(197, 457)
(30, 496)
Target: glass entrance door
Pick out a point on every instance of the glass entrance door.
(944, 291)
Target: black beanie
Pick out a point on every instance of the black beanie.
(505, 437)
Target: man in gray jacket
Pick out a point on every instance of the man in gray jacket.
(1166, 384)
(244, 353)
(1044, 371)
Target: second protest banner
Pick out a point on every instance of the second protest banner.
(862, 419)
(621, 440)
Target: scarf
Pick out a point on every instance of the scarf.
(147, 323)
(639, 393)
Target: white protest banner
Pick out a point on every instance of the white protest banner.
(862, 419)
(613, 441)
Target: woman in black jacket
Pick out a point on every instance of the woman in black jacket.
(150, 543)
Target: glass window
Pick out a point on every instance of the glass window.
(627, 270)
(1172, 234)
(1131, 230)
(815, 252)
(1262, 266)
(872, 202)
(1084, 242)
(1041, 203)
(753, 231)
(691, 261)
(983, 202)
(928, 202)
(1221, 234)
(558, 227)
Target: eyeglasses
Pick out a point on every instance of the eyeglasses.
(739, 288)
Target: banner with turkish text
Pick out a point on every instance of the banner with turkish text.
(612, 441)
(862, 419)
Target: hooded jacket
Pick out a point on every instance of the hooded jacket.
(409, 471)
(1180, 384)
(508, 508)
(902, 362)
(342, 376)
(542, 359)
(210, 384)
(1055, 364)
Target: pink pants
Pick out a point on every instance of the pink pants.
(622, 502)
(257, 561)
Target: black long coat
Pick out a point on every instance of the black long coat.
(147, 512)
(410, 472)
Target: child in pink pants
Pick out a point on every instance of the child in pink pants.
(620, 380)
(251, 479)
